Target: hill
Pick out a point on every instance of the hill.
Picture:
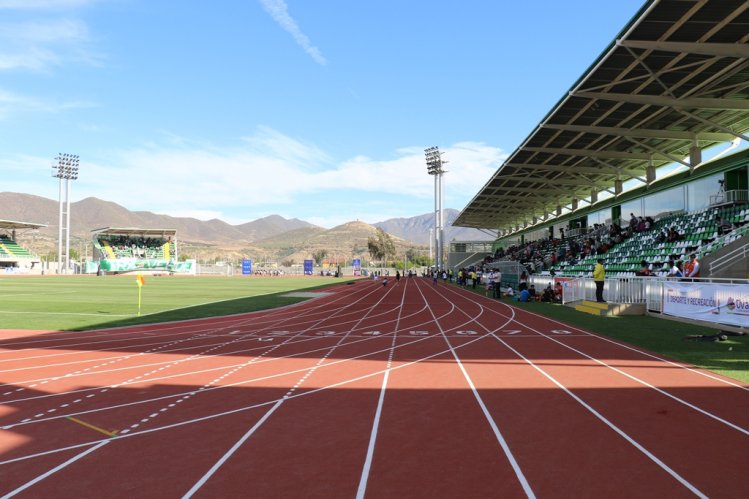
(416, 229)
(273, 237)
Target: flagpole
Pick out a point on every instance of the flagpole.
(140, 281)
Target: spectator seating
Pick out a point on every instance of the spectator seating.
(8, 247)
(697, 233)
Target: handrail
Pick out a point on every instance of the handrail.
(729, 258)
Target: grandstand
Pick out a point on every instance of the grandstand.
(655, 128)
(14, 258)
(123, 250)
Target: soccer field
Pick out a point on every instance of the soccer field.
(82, 302)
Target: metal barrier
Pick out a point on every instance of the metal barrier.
(627, 290)
(729, 258)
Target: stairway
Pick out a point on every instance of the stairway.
(610, 309)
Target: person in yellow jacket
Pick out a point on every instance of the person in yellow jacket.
(599, 274)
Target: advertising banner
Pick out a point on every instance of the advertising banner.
(308, 267)
(356, 263)
(246, 266)
(152, 264)
(719, 303)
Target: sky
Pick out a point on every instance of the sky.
(309, 109)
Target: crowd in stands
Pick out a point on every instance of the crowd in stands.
(137, 247)
(555, 253)
(546, 254)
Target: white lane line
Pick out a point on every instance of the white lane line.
(380, 402)
(54, 470)
(278, 404)
(630, 376)
(645, 383)
(608, 423)
(647, 354)
(240, 383)
(497, 433)
(236, 410)
(231, 451)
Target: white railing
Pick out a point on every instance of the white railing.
(729, 258)
(627, 290)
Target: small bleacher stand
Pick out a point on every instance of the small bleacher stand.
(14, 258)
(122, 250)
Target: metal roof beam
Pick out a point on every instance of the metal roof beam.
(590, 153)
(643, 133)
(714, 124)
(666, 101)
(558, 181)
(738, 50)
(589, 170)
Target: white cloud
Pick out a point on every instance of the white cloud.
(280, 13)
(254, 179)
(11, 102)
(42, 45)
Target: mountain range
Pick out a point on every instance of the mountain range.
(272, 237)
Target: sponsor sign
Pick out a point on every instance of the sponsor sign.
(719, 303)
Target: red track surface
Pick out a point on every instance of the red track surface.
(409, 390)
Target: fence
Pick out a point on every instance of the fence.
(627, 290)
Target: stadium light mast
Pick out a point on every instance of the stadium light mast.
(434, 167)
(65, 168)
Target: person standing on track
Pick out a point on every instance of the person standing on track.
(599, 275)
(397, 276)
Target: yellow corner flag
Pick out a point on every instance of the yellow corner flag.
(139, 279)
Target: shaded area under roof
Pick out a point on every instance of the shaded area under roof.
(10, 225)
(674, 82)
(134, 231)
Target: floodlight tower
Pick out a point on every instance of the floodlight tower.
(434, 167)
(65, 168)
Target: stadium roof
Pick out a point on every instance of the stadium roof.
(134, 231)
(10, 225)
(674, 82)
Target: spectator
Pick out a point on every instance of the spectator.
(599, 276)
(548, 294)
(490, 283)
(645, 269)
(525, 295)
(509, 291)
(523, 282)
(722, 226)
(558, 290)
(692, 267)
(676, 270)
(532, 293)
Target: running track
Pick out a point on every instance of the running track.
(408, 390)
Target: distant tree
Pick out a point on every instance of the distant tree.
(380, 246)
(288, 262)
(319, 255)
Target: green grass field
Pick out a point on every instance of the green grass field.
(86, 302)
